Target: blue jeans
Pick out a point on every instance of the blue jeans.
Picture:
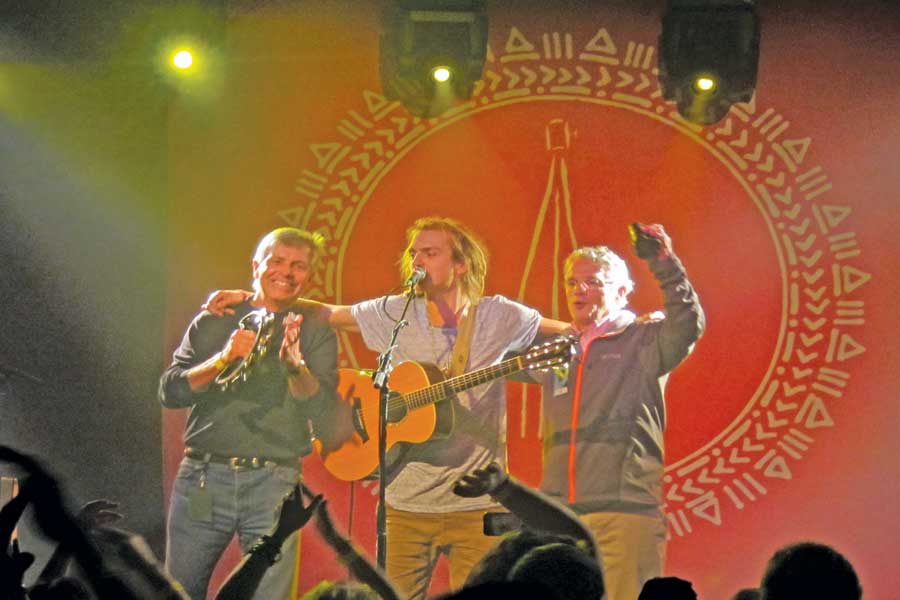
(243, 501)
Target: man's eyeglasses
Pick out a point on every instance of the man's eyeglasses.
(589, 284)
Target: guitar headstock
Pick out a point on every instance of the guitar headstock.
(556, 352)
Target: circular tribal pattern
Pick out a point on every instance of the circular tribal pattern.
(816, 251)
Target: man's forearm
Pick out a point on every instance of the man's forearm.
(200, 377)
(302, 384)
(539, 511)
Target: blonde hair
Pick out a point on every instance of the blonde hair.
(466, 248)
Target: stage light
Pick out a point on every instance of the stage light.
(440, 74)
(432, 52)
(708, 56)
(704, 84)
(183, 59)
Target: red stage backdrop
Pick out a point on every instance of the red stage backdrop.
(782, 423)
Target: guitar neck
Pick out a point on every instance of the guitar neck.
(454, 385)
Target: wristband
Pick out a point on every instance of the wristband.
(268, 549)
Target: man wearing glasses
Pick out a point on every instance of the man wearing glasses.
(606, 412)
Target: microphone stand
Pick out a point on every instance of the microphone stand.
(380, 380)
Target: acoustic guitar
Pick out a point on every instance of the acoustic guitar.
(419, 407)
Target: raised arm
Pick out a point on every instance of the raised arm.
(245, 578)
(685, 320)
(552, 327)
(537, 511)
(360, 566)
(191, 372)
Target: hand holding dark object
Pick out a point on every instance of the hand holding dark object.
(489, 480)
(293, 515)
(650, 241)
(239, 345)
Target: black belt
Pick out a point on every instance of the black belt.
(240, 462)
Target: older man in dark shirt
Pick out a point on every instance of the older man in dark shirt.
(243, 441)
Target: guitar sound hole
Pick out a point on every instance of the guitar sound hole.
(397, 410)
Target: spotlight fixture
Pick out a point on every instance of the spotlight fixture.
(183, 59)
(708, 56)
(432, 52)
(441, 74)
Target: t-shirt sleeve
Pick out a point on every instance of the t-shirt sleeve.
(374, 324)
(519, 322)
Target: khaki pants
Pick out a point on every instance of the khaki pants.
(416, 540)
(632, 550)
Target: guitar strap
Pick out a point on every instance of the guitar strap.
(460, 357)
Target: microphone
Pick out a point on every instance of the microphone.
(415, 277)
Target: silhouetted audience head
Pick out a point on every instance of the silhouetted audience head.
(667, 588)
(563, 568)
(499, 561)
(748, 594)
(809, 570)
(340, 590)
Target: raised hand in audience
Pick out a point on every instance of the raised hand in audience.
(43, 492)
(536, 510)
(293, 514)
(360, 567)
(489, 480)
(245, 578)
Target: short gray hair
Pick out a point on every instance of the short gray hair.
(294, 237)
(607, 260)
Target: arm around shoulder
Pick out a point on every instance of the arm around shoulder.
(338, 316)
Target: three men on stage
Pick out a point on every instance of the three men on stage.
(605, 456)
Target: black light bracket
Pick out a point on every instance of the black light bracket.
(419, 35)
(718, 39)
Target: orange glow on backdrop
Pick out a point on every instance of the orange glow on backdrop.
(766, 439)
